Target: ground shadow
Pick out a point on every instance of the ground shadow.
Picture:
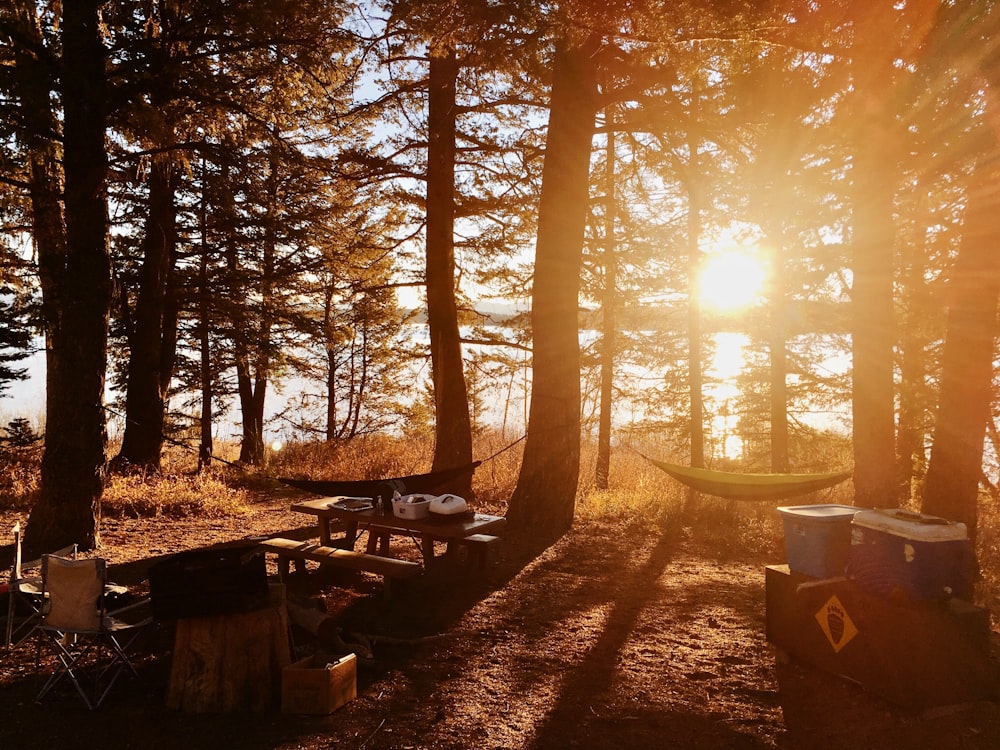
(575, 721)
(428, 606)
(816, 703)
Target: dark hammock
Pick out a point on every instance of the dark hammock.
(734, 486)
(415, 483)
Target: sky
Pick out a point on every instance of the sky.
(26, 398)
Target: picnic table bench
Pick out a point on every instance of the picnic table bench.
(389, 568)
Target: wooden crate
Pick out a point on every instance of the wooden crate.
(318, 684)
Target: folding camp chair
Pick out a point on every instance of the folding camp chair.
(24, 594)
(90, 644)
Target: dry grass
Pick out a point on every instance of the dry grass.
(640, 494)
(207, 494)
(988, 553)
(19, 477)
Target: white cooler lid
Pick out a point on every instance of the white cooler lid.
(906, 523)
(828, 510)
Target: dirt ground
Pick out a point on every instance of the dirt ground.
(616, 637)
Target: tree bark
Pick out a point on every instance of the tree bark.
(543, 501)
(951, 487)
(609, 322)
(252, 338)
(873, 329)
(251, 391)
(911, 419)
(696, 428)
(148, 373)
(330, 347)
(39, 133)
(72, 473)
(453, 427)
(778, 374)
(206, 447)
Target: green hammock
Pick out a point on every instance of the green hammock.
(734, 486)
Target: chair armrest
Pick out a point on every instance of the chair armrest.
(128, 607)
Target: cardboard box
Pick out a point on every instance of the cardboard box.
(817, 538)
(318, 684)
(900, 553)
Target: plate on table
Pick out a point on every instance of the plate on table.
(351, 503)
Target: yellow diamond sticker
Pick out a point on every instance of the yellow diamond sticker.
(835, 623)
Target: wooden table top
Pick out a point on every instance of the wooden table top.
(440, 527)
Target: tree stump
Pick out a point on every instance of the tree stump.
(230, 662)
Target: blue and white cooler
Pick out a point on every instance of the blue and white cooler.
(901, 554)
(817, 538)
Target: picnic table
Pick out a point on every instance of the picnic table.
(460, 528)
(473, 531)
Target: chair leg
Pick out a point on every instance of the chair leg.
(68, 660)
(9, 624)
(119, 662)
(93, 681)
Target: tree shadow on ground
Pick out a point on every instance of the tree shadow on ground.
(586, 715)
(817, 703)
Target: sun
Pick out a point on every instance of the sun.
(731, 279)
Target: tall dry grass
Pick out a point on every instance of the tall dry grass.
(643, 494)
(19, 473)
(988, 554)
(208, 494)
(640, 494)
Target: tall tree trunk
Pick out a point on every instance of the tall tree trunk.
(252, 389)
(252, 364)
(544, 500)
(206, 447)
(955, 466)
(72, 474)
(778, 372)
(609, 322)
(148, 373)
(168, 331)
(694, 333)
(779, 405)
(910, 421)
(873, 330)
(253, 359)
(453, 427)
(252, 444)
(331, 363)
(39, 134)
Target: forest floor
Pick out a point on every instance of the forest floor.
(616, 636)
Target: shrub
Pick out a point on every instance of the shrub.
(20, 434)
